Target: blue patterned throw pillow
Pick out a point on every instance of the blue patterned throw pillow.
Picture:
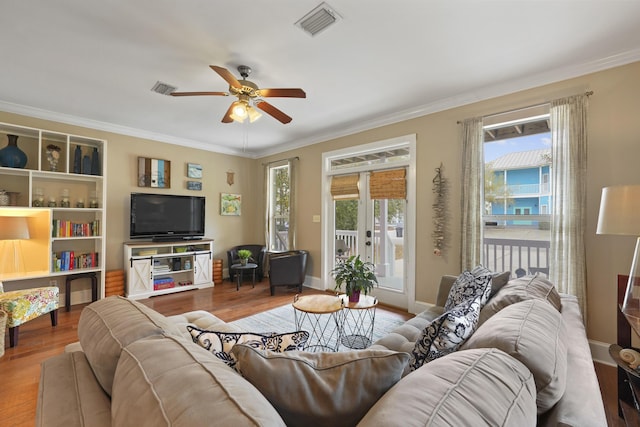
(221, 343)
(469, 285)
(446, 333)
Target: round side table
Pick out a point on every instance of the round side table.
(321, 316)
(241, 268)
(358, 321)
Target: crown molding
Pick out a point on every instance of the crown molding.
(501, 89)
(506, 88)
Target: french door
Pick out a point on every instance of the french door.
(374, 229)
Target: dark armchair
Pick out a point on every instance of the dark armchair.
(287, 269)
(258, 255)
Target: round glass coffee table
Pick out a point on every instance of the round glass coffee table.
(320, 315)
(358, 319)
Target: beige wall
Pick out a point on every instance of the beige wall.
(613, 152)
(122, 154)
(614, 147)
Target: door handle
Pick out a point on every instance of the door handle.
(368, 243)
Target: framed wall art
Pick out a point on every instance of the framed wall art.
(230, 204)
(154, 173)
(194, 185)
(194, 170)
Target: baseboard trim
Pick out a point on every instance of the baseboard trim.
(600, 353)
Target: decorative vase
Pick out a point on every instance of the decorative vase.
(95, 162)
(77, 160)
(86, 165)
(354, 296)
(53, 156)
(11, 156)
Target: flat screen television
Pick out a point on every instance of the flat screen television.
(166, 217)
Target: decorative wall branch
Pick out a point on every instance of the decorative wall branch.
(439, 212)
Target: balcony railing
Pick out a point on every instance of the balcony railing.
(518, 256)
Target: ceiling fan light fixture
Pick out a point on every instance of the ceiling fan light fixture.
(253, 114)
(239, 111)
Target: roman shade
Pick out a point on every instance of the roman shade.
(388, 184)
(345, 187)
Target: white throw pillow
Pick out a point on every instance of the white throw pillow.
(469, 285)
(220, 343)
(446, 333)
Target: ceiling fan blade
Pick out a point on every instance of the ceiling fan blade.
(282, 93)
(273, 111)
(227, 116)
(199, 93)
(226, 74)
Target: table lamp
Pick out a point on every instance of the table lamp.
(13, 229)
(620, 214)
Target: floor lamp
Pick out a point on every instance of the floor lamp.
(620, 214)
(13, 229)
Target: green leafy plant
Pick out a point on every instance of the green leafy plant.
(355, 275)
(244, 254)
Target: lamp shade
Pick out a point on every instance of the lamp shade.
(620, 211)
(14, 228)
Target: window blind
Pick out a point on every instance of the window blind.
(345, 187)
(388, 184)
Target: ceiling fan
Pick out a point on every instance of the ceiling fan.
(248, 93)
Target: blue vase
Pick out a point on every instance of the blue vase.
(11, 156)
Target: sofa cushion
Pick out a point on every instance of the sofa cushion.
(169, 381)
(533, 332)
(446, 333)
(69, 395)
(469, 285)
(466, 388)
(200, 319)
(221, 343)
(321, 389)
(521, 289)
(446, 282)
(108, 325)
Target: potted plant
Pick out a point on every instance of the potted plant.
(244, 255)
(356, 276)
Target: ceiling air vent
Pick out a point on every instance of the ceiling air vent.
(163, 88)
(318, 19)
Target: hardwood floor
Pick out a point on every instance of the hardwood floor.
(20, 366)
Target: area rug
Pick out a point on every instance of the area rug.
(282, 320)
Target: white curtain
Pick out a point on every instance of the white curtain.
(569, 163)
(472, 189)
(293, 168)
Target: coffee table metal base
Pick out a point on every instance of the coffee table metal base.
(358, 320)
(321, 316)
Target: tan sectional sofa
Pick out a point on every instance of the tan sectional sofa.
(526, 364)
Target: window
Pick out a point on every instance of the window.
(279, 203)
(517, 162)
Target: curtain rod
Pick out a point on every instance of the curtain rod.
(281, 160)
(588, 93)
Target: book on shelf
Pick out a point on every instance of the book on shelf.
(69, 260)
(65, 228)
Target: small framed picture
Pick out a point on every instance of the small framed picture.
(194, 170)
(230, 204)
(194, 185)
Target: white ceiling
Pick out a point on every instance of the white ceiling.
(93, 62)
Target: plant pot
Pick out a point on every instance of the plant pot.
(354, 296)
(243, 261)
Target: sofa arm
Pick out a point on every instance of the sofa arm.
(70, 395)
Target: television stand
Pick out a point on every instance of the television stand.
(159, 268)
